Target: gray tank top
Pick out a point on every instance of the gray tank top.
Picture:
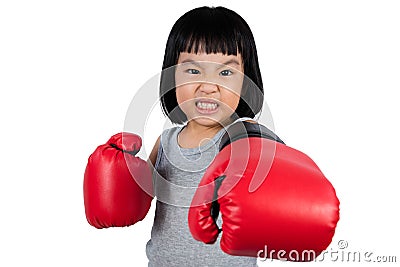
(178, 172)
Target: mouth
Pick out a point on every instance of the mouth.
(206, 106)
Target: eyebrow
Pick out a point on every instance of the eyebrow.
(229, 62)
(232, 61)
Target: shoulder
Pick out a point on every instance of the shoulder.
(166, 135)
(153, 154)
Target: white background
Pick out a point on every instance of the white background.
(69, 69)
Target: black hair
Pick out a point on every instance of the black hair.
(212, 30)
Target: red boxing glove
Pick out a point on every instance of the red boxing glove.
(274, 200)
(117, 185)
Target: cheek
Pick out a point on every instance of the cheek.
(231, 99)
(183, 94)
(178, 93)
(234, 83)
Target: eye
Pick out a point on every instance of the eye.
(192, 71)
(226, 73)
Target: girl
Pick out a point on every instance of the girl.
(210, 78)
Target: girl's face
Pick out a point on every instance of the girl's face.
(208, 86)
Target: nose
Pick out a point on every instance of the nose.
(208, 88)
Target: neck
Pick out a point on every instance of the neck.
(194, 129)
(194, 135)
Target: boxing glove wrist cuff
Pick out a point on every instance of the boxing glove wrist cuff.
(244, 129)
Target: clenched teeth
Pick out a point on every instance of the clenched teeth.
(206, 105)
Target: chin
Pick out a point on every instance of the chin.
(211, 121)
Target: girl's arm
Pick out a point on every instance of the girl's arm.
(153, 154)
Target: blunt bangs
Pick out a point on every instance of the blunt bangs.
(209, 32)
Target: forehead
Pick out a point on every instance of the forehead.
(219, 58)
